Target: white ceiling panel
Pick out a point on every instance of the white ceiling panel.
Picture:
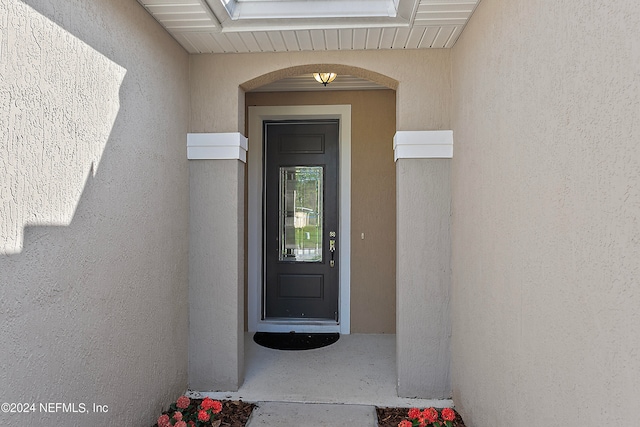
(346, 39)
(429, 37)
(359, 38)
(290, 41)
(304, 40)
(207, 26)
(306, 83)
(250, 42)
(332, 39)
(317, 40)
(387, 37)
(277, 41)
(373, 38)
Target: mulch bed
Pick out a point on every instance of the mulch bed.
(391, 417)
(235, 413)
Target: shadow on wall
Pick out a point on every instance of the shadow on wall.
(62, 103)
(94, 213)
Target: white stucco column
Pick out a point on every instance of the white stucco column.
(423, 324)
(216, 260)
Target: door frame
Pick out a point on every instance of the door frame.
(255, 274)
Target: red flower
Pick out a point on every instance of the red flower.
(192, 423)
(414, 413)
(203, 416)
(183, 402)
(180, 424)
(216, 407)
(430, 415)
(163, 420)
(405, 423)
(208, 403)
(448, 414)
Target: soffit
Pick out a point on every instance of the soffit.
(245, 26)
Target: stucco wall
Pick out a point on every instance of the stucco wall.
(423, 278)
(216, 274)
(93, 300)
(423, 93)
(373, 188)
(546, 203)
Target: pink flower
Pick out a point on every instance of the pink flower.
(216, 406)
(192, 423)
(177, 415)
(163, 420)
(183, 402)
(430, 415)
(203, 415)
(180, 424)
(405, 423)
(207, 404)
(448, 414)
(414, 413)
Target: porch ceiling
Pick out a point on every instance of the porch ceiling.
(242, 26)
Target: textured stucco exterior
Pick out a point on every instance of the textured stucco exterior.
(423, 94)
(216, 274)
(546, 209)
(423, 84)
(423, 278)
(93, 299)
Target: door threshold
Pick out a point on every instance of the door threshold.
(288, 325)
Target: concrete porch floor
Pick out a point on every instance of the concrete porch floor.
(359, 369)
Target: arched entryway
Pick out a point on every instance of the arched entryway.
(421, 252)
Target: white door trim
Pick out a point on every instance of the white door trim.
(255, 216)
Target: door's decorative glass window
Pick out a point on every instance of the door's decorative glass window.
(301, 213)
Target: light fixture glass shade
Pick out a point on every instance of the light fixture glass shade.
(325, 78)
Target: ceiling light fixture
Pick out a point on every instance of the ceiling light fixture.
(325, 78)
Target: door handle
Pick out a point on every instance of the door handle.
(332, 248)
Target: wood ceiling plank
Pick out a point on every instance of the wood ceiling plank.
(387, 37)
(415, 37)
(317, 40)
(249, 40)
(402, 35)
(457, 30)
(332, 39)
(263, 41)
(373, 38)
(291, 41)
(277, 41)
(429, 37)
(304, 40)
(184, 41)
(346, 39)
(359, 38)
(224, 43)
(436, 24)
(442, 37)
(237, 43)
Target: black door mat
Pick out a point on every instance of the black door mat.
(293, 340)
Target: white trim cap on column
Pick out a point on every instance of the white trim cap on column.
(423, 144)
(217, 146)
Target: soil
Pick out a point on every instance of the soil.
(235, 413)
(391, 417)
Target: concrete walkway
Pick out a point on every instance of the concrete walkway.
(281, 414)
(332, 386)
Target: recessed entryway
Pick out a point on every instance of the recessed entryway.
(259, 319)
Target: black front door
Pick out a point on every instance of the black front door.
(301, 220)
